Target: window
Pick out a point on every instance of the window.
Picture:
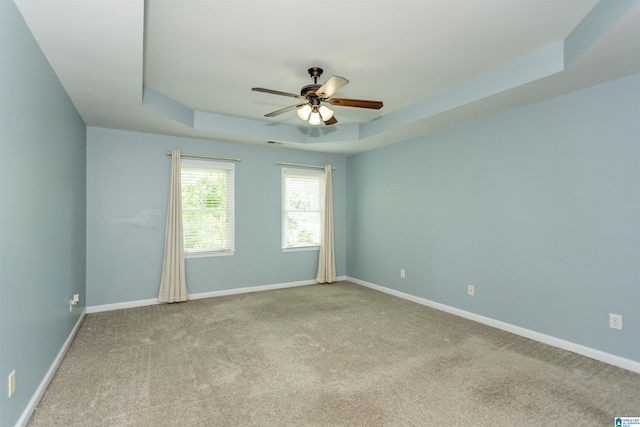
(207, 208)
(302, 204)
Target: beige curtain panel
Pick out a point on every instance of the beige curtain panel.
(327, 259)
(173, 286)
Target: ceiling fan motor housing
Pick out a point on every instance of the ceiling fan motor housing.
(309, 92)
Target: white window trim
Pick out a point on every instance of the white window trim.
(206, 254)
(203, 253)
(302, 248)
(283, 237)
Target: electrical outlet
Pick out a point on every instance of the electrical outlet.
(75, 300)
(615, 321)
(402, 273)
(12, 383)
(471, 290)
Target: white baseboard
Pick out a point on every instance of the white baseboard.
(592, 353)
(35, 399)
(250, 289)
(121, 305)
(201, 295)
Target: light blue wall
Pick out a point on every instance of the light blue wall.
(42, 213)
(127, 187)
(538, 207)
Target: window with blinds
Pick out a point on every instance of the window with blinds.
(302, 204)
(207, 207)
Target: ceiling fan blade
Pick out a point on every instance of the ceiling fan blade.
(283, 110)
(277, 92)
(360, 103)
(331, 86)
(331, 121)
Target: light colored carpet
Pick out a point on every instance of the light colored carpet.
(320, 355)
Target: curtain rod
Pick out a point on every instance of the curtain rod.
(235, 159)
(304, 166)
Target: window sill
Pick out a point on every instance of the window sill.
(301, 248)
(207, 254)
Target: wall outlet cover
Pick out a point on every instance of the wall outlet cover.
(615, 321)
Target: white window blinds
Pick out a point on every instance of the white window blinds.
(303, 192)
(207, 206)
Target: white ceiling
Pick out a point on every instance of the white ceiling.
(414, 56)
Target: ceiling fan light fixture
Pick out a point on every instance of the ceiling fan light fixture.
(325, 112)
(304, 112)
(315, 118)
(311, 109)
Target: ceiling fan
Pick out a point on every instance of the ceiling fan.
(314, 94)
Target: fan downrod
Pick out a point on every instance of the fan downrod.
(315, 73)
